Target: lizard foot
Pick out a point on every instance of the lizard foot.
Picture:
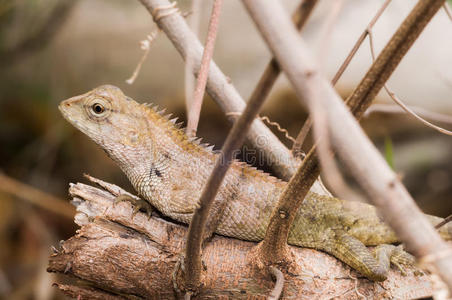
(138, 204)
(374, 266)
(395, 255)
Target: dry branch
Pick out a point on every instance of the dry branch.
(115, 256)
(358, 43)
(399, 102)
(301, 137)
(370, 170)
(392, 54)
(272, 70)
(195, 104)
(209, 211)
(224, 93)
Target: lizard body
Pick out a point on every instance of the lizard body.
(168, 169)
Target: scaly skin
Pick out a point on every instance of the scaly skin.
(169, 170)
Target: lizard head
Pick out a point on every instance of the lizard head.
(113, 121)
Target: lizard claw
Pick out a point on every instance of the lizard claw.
(138, 204)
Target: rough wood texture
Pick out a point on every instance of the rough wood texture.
(115, 256)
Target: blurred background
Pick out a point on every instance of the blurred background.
(51, 50)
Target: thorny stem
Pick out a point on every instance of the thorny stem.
(352, 145)
(195, 109)
(301, 137)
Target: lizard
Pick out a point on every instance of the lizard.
(169, 169)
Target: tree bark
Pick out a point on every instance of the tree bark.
(115, 255)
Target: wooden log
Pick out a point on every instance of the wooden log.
(118, 255)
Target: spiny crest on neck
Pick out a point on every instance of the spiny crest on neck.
(194, 144)
(174, 129)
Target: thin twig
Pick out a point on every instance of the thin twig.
(352, 145)
(358, 43)
(356, 287)
(415, 115)
(390, 56)
(443, 222)
(195, 109)
(279, 284)
(146, 46)
(194, 23)
(301, 137)
(396, 109)
(223, 92)
(36, 196)
(278, 127)
(269, 122)
(400, 102)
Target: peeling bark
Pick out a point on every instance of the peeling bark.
(115, 255)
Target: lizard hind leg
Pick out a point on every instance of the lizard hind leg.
(351, 251)
(390, 254)
(138, 204)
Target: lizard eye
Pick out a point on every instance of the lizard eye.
(98, 108)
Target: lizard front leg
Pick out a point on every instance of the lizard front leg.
(138, 204)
